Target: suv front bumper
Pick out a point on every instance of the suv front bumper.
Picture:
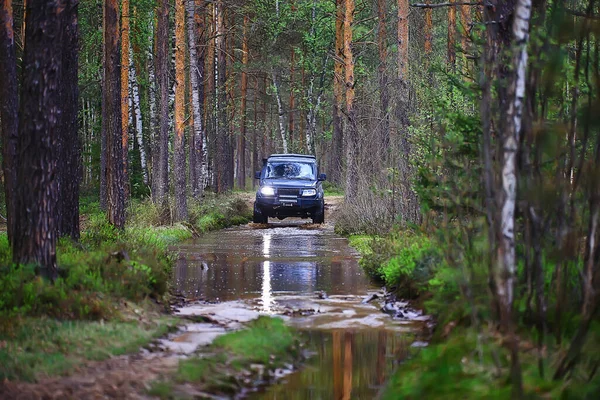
(276, 207)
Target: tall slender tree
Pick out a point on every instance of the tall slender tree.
(384, 96)
(111, 103)
(452, 34)
(196, 37)
(125, 41)
(337, 144)
(428, 29)
(179, 169)
(9, 111)
(160, 185)
(351, 126)
(241, 144)
(70, 147)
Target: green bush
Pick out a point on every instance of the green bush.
(405, 261)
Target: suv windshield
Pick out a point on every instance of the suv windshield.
(290, 170)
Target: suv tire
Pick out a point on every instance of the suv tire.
(319, 215)
(258, 217)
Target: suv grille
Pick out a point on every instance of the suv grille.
(288, 192)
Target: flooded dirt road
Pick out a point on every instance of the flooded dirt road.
(309, 276)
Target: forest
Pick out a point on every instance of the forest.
(461, 136)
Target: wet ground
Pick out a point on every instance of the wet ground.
(309, 276)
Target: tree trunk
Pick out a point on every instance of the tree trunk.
(280, 112)
(125, 91)
(428, 29)
(291, 124)
(255, 132)
(136, 102)
(70, 147)
(351, 127)
(507, 197)
(160, 173)
(465, 21)
(223, 139)
(210, 99)
(403, 9)
(337, 144)
(34, 240)
(241, 144)
(195, 38)
(384, 97)
(179, 170)
(452, 35)
(9, 106)
(111, 97)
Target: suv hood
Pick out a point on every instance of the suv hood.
(285, 183)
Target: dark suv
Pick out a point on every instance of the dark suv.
(290, 186)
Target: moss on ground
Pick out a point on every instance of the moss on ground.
(235, 361)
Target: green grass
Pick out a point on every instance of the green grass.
(40, 347)
(362, 243)
(265, 341)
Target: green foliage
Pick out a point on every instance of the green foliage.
(404, 261)
(450, 370)
(362, 243)
(331, 189)
(411, 269)
(217, 212)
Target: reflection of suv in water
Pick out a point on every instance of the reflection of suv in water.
(290, 186)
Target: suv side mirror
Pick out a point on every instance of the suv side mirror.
(257, 175)
(322, 177)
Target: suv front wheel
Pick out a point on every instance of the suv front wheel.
(258, 217)
(319, 215)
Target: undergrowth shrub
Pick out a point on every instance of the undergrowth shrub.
(216, 212)
(405, 261)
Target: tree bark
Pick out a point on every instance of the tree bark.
(428, 29)
(9, 106)
(280, 112)
(291, 123)
(223, 140)
(384, 97)
(403, 9)
(125, 91)
(465, 21)
(196, 49)
(111, 98)
(179, 170)
(241, 144)
(160, 165)
(70, 158)
(507, 197)
(452, 35)
(36, 222)
(351, 127)
(337, 144)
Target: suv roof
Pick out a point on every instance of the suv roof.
(291, 156)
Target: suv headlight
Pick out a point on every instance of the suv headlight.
(267, 191)
(309, 192)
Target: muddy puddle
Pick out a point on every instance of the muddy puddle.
(311, 279)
